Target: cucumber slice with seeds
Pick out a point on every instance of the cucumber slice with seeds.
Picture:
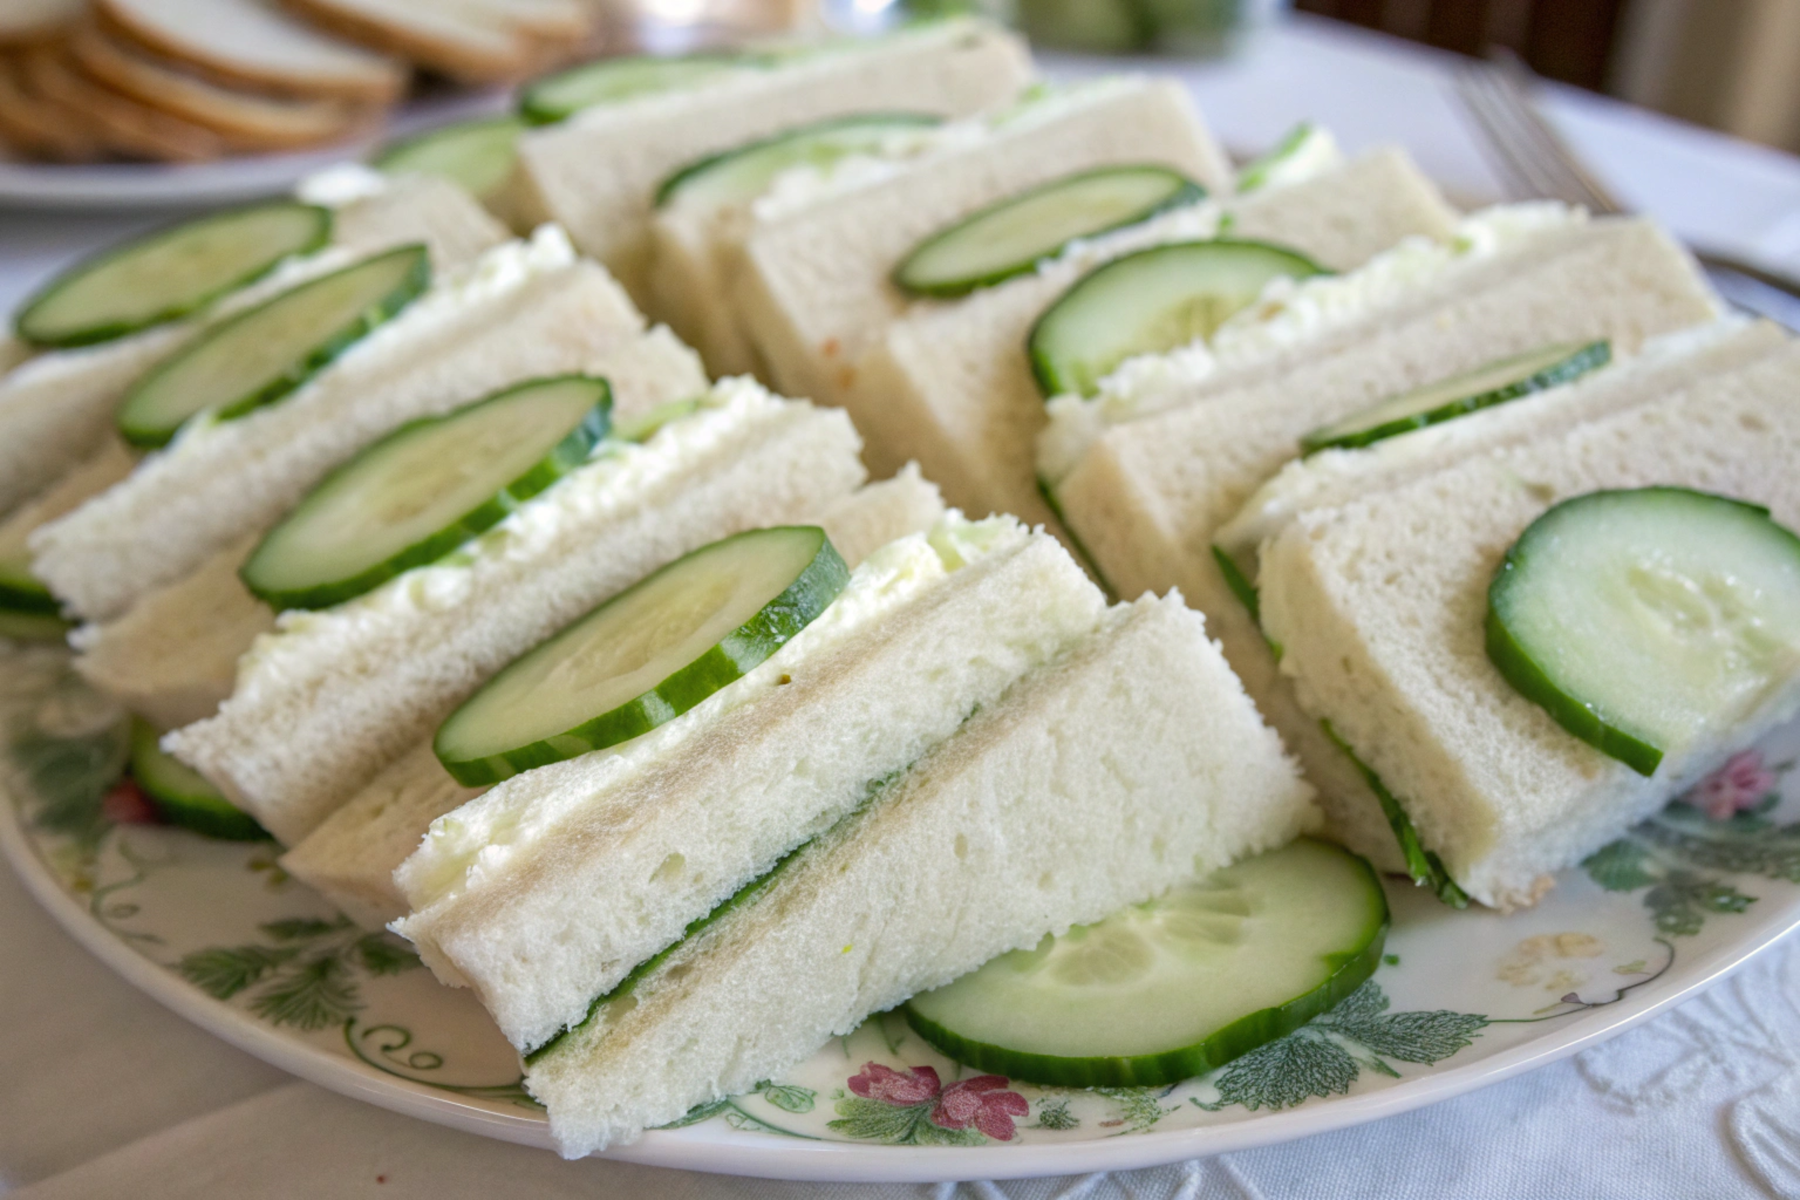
(478, 155)
(425, 489)
(182, 796)
(170, 273)
(1173, 988)
(1013, 236)
(1496, 383)
(745, 172)
(1648, 621)
(647, 655)
(262, 354)
(610, 80)
(1151, 302)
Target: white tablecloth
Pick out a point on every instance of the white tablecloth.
(103, 1093)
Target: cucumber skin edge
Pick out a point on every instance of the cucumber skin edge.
(1424, 866)
(1188, 193)
(1590, 357)
(666, 190)
(740, 652)
(223, 821)
(568, 454)
(1232, 1041)
(408, 289)
(94, 335)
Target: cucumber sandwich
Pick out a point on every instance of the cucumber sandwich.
(1148, 472)
(130, 307)
(705, 210)
(598, 171)
(947, 383)
(352, 856)
(1535, 647)
(523, 308)
(817, 281)
(172, 655)
(353, 687)
(969, 850)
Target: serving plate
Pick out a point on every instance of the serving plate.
(133, 185)
(219, 933)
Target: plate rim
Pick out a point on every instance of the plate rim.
(731, 1152)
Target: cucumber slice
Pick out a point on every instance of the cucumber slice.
(1496, 383)
(1151, 302)
(21, 591)
(1015, 235)
(647, 655)
(1171, 989)
(745, 172)
(1424, 867)
(182, 796)
(425, 489)
(610, 80)
(1650, 620)
(478, 154)
(264, 353)
(1305, 148)
(170, 273)
(32, 627)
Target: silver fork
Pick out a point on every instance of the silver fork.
(1536, 161)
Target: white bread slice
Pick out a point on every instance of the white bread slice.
(57, 409)
(352, 856)
(523, 309)
(1149, 497)
(1332, 477)
(255, 42)
(975, 851)
(172, 657)
(13, 352)
(947, 383)
(331, 697)
(550, 888)
(815, 288)
(1150, 493)
(245, 119)
(596, 173)
(1380, 605)
(111, 464)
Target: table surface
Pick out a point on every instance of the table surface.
(103, 1093)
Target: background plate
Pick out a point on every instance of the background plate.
(139, 186)
(220, 934)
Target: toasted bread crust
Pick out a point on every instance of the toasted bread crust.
(377, 87)
(247, 120)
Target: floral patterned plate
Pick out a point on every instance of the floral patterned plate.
(220, 934)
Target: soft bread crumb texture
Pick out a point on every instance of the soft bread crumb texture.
(221, 479)
(331, 697)
(644, 844)
(59, 410)
(946, 384)
(1333, 477)
(1381, 603)
(1150, 497)
(1098, 781)
(352, 856)
(172, 657)
(815, 290)
(596, 173)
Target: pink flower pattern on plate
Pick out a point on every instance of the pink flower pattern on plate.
(981, 1101)
(1740, 784)
(126, 804)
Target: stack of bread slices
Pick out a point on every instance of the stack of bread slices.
(199, 79)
